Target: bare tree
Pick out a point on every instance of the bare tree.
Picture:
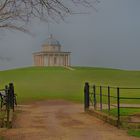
(13, 13)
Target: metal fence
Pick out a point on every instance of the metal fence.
(107, 99)
(8, 101)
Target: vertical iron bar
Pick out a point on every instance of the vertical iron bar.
(86, 96)
(94, 94)
(108, 98)
(118, 106)
(7, 104)
(101, 98)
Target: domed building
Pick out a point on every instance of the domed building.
(51, 54)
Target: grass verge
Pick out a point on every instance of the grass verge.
(133, 132)
(123, 111)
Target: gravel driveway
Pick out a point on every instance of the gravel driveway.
(60, 120)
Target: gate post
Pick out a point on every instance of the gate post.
(11, 90)
(86, 96)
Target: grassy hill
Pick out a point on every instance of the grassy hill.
(37, 83)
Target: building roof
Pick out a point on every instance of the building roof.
(52, 41)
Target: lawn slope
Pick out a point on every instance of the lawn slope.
(38, 83)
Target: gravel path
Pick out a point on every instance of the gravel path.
(60, 120)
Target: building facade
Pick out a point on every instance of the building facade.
(51, 54)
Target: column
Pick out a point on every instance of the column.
(34, 60)
(48, 59)
(59, 59)
(69, 60)
(53, 63)
(43, 60)
(39, 60)
(66, 61)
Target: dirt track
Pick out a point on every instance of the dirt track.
(60, 120)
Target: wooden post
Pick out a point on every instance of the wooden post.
(86, 96)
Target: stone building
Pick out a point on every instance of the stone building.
(51, 54)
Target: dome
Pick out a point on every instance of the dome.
(52, 42)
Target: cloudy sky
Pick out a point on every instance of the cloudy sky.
(108, 37)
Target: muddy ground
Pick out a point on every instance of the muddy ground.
(60, 120)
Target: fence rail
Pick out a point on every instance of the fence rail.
(107, 98)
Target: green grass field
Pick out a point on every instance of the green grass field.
(39, 83)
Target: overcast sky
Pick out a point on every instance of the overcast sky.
(109, 37)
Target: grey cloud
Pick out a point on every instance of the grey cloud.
(106, 38)
(5, 58)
